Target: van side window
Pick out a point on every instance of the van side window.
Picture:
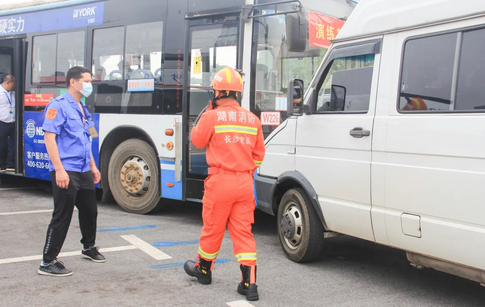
(351, 77)
(427, 73)
(470, 90)
(444, 73)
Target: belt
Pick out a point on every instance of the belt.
(216, 170)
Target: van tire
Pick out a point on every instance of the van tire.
(299, 229)
(137, 189)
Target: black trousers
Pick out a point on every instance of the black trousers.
(7, 155)
(80, 193)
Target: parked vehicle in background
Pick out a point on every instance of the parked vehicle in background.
(152, 63)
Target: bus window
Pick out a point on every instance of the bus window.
(108, 54)
(44, 59)
(212, 50)
(70, 53)
(143, 51)
(5, 64)
(275, 66)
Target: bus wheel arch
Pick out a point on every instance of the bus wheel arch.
(109, 148)
(300, 223)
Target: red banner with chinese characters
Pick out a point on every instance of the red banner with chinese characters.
(322, 29)
(37, 100)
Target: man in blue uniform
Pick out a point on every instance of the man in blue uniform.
(68, 131)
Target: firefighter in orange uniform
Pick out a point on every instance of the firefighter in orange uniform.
(235, 149)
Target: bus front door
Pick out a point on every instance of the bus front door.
(212, 45)
(13, 53)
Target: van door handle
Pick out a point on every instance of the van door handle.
(359, 132)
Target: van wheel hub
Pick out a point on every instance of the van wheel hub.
(291, 226)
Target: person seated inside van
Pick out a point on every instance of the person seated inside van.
(414, 104)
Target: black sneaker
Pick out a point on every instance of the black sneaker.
(54, 268)
(93, 254)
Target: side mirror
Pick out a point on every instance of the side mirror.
(296, 31)
(337, 98)
(294, 97)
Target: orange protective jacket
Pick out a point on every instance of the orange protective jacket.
(234, 138)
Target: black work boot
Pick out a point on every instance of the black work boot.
(247, 286)
(200, 269)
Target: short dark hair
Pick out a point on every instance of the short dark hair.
(76, 73)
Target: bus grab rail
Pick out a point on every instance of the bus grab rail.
(248, 10)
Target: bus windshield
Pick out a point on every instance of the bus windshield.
(275, 65)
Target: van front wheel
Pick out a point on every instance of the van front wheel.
(299, 228)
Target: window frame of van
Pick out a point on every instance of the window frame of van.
(372, 46)
(457, 57)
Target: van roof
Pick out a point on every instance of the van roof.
(379, 16)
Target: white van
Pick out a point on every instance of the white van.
(390, 146)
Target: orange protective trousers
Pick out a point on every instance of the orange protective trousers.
(228, 200)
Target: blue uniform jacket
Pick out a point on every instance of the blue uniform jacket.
(64, 118)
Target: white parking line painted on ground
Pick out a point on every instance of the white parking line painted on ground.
(25, 212)
(147, 248)
(28, 212)
(67, 254)
(240, 304)
(24, 188)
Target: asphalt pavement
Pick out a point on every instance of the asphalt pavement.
(145, 254)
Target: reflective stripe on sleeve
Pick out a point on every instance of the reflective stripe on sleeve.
(258, 163)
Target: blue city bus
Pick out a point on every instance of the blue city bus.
(152, 63)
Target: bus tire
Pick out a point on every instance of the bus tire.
(299, 228)
(134, 177)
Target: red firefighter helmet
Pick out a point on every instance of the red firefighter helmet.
(415, 104)
(228, 79)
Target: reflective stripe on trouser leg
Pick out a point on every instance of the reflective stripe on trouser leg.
(207, 256)
(246, 257)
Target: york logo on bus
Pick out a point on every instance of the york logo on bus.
(31, 130)
(84, 12)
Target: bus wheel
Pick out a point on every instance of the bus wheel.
(133, 176)
(299, 228)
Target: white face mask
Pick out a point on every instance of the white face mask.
(86, 90)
